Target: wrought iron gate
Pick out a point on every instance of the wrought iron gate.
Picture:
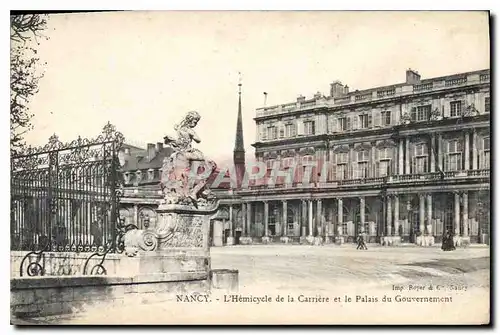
(65, 196)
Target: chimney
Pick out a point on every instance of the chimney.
(412, 77)
(346, 89)
(336, 89)
(159, 147)
(151, 151)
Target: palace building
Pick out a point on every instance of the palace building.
(400, 164)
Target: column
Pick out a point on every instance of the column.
(401, 157)
(249, 219)
(457, 214)
(136, 215)
(266, 217)
(361, 214)
(244, 218)
(310, 216)
(373, 161)
(407, 158)
(396, 215)
(303, 219)
(388, 229)
(432, 152)
(422, 213)
(331, 226)
(340, 215)
(285, 219)
(465, 214)
(230, 220)
(474, 150)
(429, 214)
(440, 152)
(466, 151)
(319, 216)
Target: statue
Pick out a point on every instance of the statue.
(178, 182)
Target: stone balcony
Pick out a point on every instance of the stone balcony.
(380, 93)
(393, 180)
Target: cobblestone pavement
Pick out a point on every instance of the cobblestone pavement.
(327, 271)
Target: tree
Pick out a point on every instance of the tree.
(24, 77)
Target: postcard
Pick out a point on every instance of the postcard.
(250, 167)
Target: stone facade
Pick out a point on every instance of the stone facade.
(407, 162)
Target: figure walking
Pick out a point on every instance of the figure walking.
(361, 243)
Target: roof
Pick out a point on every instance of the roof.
(139, 160)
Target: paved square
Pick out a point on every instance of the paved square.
(313, 268)
(312, 274)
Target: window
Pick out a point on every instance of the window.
(486, 153)
(420, 113)
(421, 158)
(287, 162)
(386, 118)
(384, 163)
(270, 163)
(456, 108)
(290, 130)
(309, 128)
(454, 158)
(362, 164)
(272, 133)
(341, 168)
(342, 123)
(282, 132)
(365, 121)
(487, 104)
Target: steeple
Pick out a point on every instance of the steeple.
(239, 147)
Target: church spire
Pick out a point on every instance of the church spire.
(239, 147)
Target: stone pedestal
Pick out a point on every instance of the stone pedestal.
(178, 243)
(266, 239)
(230, 240)
(246, 240)
(461, 241)
(339, 240)
(285, 239)
(389, 241)
(425, 240)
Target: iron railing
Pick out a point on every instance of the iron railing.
(65, 196)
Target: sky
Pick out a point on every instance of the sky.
(143, 71)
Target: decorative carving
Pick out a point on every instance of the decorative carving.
(74, 152)
(288, 153)
(307, 151)
(435, 115)
(341, 148)
(362, 146)
(178, 186)
(471, 111)
(174, 231)
(405, 119)
(385, 144)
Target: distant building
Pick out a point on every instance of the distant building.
(406, 163)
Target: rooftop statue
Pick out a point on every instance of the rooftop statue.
(179, 180)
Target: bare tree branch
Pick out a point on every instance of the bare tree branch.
(24, 75)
